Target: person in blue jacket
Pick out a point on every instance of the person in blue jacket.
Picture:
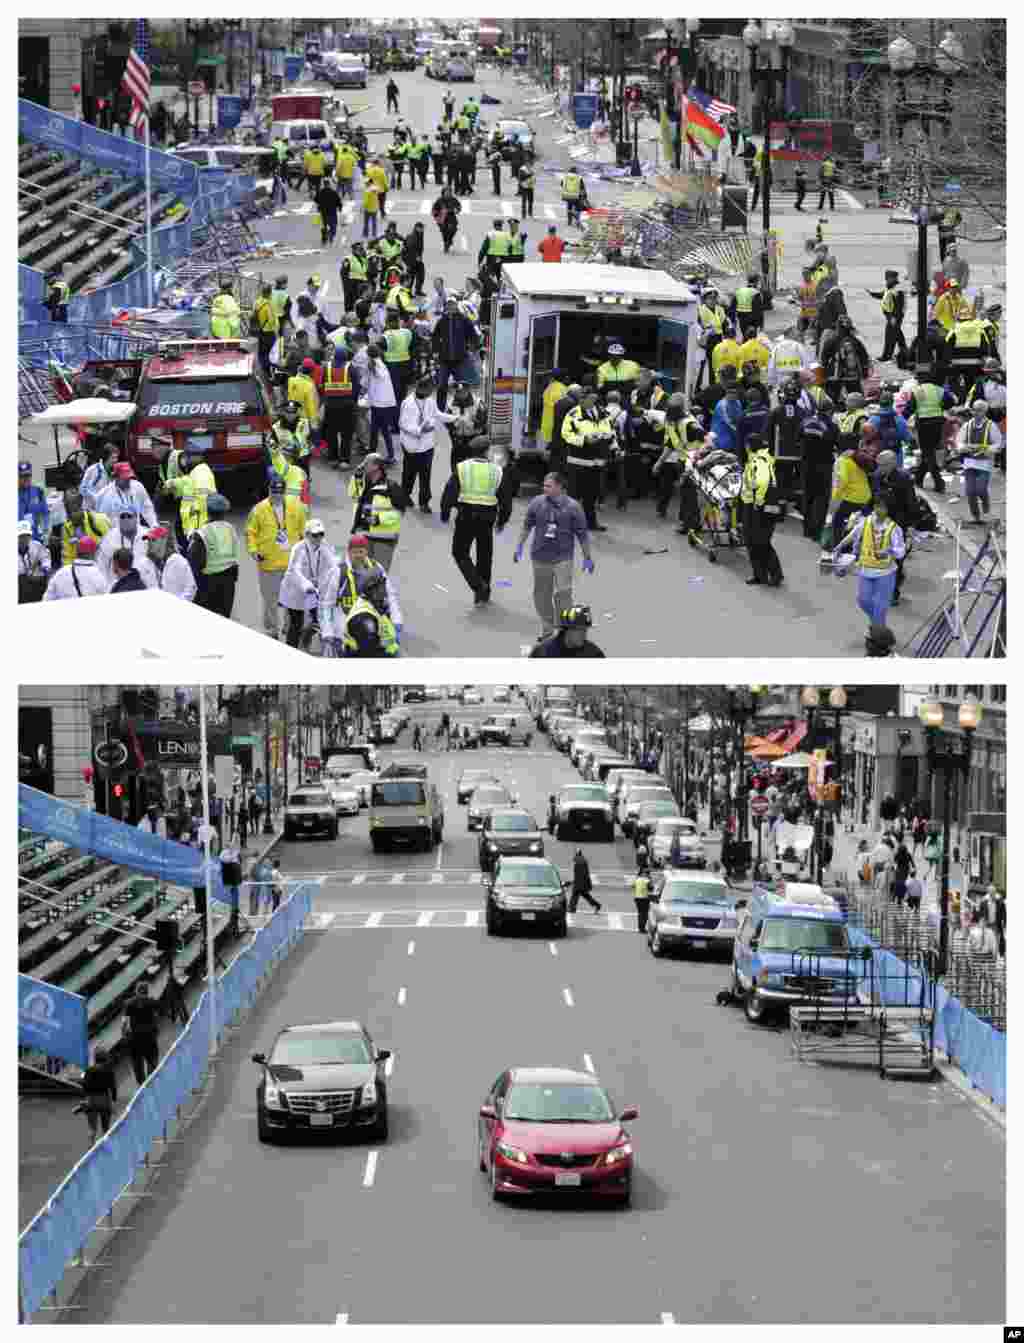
(32, 504)
(892, 427)
(725, 421)
(755, 419)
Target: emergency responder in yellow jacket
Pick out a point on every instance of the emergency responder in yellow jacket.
(951, 307)
(681, 434)
(761, 511)
(713, 321)
(726, 353)
(571, 187)
(225, 314)
(752, 351)
(368, 633)
(314, 164)
(618, 372)
(303, 393)
(275, 525)
(747, 306)
(590, 437)
(494, 248)
(192, 488)
(80, 523)
(379, 505)
(214, 553)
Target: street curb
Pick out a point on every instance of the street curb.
(957, 1078)
(270, 844)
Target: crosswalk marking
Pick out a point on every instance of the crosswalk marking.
(446, 877)
(437, 878)
(397, 879)
(549, 212)
(359, 878)
(616, 922)
(424, 206)
(393, 920)
(374, 920)
(425, 919)
(508, 210)
(472, 918)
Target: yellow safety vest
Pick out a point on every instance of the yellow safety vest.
(828, 169)
(224, 317)
(399, 346)
(758, 474)
(337, 383)
(869, 558)
(711, 318)
(385, 518)
(193, 490)
(627, 370)
(675, 437)
(348, 593)
(223, 548)
(389, 248)
(571, 186)
(478, 482)
(266, 315)
(356, 268)
(384, 624)
(63, 290)
(968, 335)
(928, 400)
(497, 244)
(745, 298)
(279, 298)
(398, 297)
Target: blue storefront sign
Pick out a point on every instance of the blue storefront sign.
(53, 1021)
(229, 110)
(584, 109)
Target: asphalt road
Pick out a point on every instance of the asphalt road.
(768, 1191)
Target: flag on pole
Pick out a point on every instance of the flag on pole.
(714, 107)
(137, 79)
(701, 127)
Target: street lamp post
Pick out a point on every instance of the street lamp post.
(811, 699)
(951, 757)
(767, 76)
(903, 61)
(684, 41)
(268, 694)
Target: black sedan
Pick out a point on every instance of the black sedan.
(526, 893)
(509, 832)
(325, 1077)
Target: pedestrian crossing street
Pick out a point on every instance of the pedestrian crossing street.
(346, 921)
(443, 877)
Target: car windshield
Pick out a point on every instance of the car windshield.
(508, 127)
(399, 793)
(638, 796)
(666, 808)
(490, 797)
(696, 893)
(308, 799)
(193, 397)
(522, 874)
(306, 1051)
(514, 823)
(581, 793)
(476, 777)
(559, 1102)
(804, 935)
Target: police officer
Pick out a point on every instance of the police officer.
(494, 248)
(747, 306)
(761, 509)
(571, 640)
(379, 505)
(214, 552)
(929, 403)
(192, 487)
(713, 320)
(827, 183)
(589, 435)
(617, 372)
(494, 163)
(354, 275)
(516, 242)
(894, 305)
(482, 491)
(571, 186)
(398, 352)
(527, 182)
(340, 392)
(681, 431)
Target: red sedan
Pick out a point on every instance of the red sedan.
(553, 1130)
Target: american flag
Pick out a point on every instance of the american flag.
(136, 78)
(714, 107)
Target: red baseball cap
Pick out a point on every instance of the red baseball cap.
(87, 546)
(358, 539)
(309, 363)
(124, 470)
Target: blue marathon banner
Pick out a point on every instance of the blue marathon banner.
(118, 153)
(53, 1021)
(229, 110)
(92, 833)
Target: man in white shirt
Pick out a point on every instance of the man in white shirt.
(380, 392)
(162, 567)
(96, 478)
(80, 578)
(125, 533)
(33, 557)
(310, 564)
(126, 492)
(418, 421)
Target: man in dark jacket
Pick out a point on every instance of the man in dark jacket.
(328, 202)
(126, 576)
(785, 424)
(141, 1025)
(846, 360)
(99, 1087)
(819, 439)
(582, 884)
(896, 486)
(452, 338)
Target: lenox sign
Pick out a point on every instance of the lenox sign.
(178, 750)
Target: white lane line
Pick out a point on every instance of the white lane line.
(472, 918)
(371, 1169)
(341, 1319)
(358, 879)
(437, 878)
(412, 947)
(401, 997)
(463, 245)
(440, 588)
(467, 207)
(667, 1317)
(615, 921)
(425, 918)
(552, 948)
(851, 201)
(397, 879)
(567, 995)
(508, 209)
(440, 854)
(588, 1063)
(549, 212)
(374, 920)
(389, 1065)
(424, 207)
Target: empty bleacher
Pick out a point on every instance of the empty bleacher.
(87, 925)
(70, 212)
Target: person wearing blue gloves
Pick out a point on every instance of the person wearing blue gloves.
(558, 523)
(32, 504)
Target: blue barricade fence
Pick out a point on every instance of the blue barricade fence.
(73, 343)
(53, 1020)
(92, 833)
(115, 152)
(59, 1231)
(31, 284)
(977, 1048)
(229, 110)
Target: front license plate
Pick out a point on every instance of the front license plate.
(699, 942)
(321, 1121)
(528, 917)
(567, 1181)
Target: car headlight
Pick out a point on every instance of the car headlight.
(620, 1153)
(272, 1098)
(535, 847)
(421, 820)
(492, 846)
(511, 1153)
(368, 1095)
(374, 821)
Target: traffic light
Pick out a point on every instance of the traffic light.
(118, 790)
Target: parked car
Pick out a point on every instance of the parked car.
(344, 796)
(506, 730)
(683, 833)
(692, 911)
(650, 813)
(635, 796)
(554, 1130)
(362, 781)
(524, 891)
(309, 811)
(322, 1077)
(485, 799)
(507, 833)
(516, 131)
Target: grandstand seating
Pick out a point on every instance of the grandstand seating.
(86, 937)
(71, 212)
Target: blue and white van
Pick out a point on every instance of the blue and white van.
(792, 946)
